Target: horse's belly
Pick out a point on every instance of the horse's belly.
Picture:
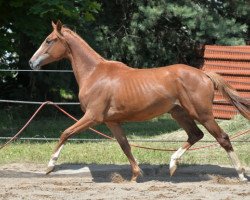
(150, 112)
(141, 113)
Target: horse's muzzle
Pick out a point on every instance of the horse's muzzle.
(34, 65)
(37, 63)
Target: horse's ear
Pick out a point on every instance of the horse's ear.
(59, 26)
(53, 24)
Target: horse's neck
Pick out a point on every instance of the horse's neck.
(82, 57)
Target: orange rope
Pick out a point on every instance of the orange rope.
(102, 134)
(27, 123)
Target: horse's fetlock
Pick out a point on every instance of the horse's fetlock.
(225, 142)
(225, 136)
(201, 135)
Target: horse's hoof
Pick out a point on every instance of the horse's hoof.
(173, 166)
(243, 180)
(135, 175)
(172, 170)
(133, 179)
(50, 169)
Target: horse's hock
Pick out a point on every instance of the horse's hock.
(233, 63)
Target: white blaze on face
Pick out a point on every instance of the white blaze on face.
(38, 58)
(37, 63)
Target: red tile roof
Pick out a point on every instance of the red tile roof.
(233, 63)
(219, 99)
(224, 111)
(227, 52)
(227, 67)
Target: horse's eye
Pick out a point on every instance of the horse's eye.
(48, 41)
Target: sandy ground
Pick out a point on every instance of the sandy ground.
(27, 181)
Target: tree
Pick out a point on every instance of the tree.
(140, 33)
(23, 26)
(154, 33)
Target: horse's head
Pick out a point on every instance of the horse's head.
(53, 48)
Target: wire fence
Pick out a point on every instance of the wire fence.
(36, 102)
(105, 140)
(29, 70)
(44, 139)
(75, 103)
(50, 71)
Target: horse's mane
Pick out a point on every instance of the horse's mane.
(82, 42)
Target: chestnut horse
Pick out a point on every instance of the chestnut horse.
(110, 92)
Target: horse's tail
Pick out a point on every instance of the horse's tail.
(242, 104)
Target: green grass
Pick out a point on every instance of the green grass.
(110, 153)
(107, 152)
(50, 124)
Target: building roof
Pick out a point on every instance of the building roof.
(227, 52)
(233, 63)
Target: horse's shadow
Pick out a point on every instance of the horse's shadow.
(187, 173)
(122, 173)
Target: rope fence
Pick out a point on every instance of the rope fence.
(104, 135)
(76, 103)
(40, 102)
(104, 140)
(84, 139)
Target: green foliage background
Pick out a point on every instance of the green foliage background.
(141, 33)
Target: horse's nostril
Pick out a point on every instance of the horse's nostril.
(31, 64)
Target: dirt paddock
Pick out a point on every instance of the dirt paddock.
(27, 181)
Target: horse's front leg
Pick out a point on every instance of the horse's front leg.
(117, 131)
(85, 122)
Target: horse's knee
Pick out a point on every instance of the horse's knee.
(224, 141)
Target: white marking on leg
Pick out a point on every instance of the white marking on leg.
(237, 165)
(136, 161)
(177, 156)
(174, 159)
(54, 157)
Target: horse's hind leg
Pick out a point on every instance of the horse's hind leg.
(193, 132)
(224, 141)
(117, 131)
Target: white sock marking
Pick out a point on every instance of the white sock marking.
(176, 156)
(54, 157)
(237, 165)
